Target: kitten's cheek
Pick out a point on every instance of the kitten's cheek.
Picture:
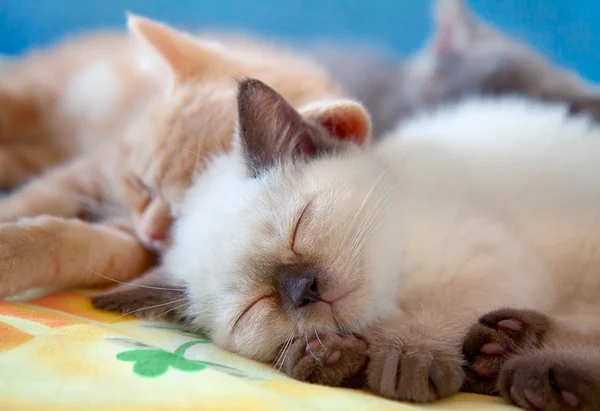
(159, 245)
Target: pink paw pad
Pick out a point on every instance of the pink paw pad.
(510, 325)
(333, 358)
(313, 346)
(571, 399)
(535, 399)
(492, 349)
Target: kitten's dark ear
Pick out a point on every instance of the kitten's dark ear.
(584, 104)
(455, 26)
(270, 129)
(152, 296)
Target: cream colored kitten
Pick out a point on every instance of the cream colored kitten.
(489, 204)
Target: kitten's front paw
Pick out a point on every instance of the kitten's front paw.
(550, 381)
(495, 338)
(333, 360)
(420, 372)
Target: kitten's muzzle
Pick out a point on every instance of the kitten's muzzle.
(298, 286)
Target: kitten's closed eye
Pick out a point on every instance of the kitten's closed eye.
(143, 193)
(295, 228)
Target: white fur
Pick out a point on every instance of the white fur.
(489, 203)
(94, 91)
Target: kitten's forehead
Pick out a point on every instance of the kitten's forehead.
(332, 186)
(180, 134)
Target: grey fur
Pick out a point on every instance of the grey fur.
(464, 56)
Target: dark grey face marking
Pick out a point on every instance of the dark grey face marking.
(298, 285)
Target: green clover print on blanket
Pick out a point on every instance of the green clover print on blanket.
(150, 362)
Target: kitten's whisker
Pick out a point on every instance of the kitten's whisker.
(134, 284)
(310, 351)
(369, 225)
(172, 309)
(370, 222)
(276, 361)
(198, 155)
(146, 308)
(361, 208)
(318, 339)
(281, 351)
(285, 353)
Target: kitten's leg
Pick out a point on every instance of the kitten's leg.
(335, 360)
(20, 162)
(61, 192)
(416, 352)
(553, 379)
(57, 253)
(416, 359)
(153, 295)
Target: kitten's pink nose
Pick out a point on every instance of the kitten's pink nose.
(156, 235)
(298, 285)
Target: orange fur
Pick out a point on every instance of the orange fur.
(140, 178)
(60, 103)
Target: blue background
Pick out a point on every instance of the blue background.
(567, 31)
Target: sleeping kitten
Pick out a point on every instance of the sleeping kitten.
(464, 57)
(133, 185)
(300, 235)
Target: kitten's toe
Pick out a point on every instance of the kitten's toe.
(415, 373)
(330, 360)
(496, 337)
(550, 381)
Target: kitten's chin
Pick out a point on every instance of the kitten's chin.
(159, 246)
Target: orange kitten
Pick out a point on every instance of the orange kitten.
(134, 185)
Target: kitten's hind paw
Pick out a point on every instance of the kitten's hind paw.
(495, 338)
(334, 360)
(551, 381)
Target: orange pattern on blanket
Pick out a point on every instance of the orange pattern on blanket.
(52, 320)
(11, 337)
(77, 304)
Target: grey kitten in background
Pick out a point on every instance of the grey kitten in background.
(464, 56)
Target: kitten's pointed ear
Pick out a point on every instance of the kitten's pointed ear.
(183, 54)
(584, 104)
(152, 296)
(344, 120)
(270, 129)
(455, 26)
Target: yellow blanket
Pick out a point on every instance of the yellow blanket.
(57, 353)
